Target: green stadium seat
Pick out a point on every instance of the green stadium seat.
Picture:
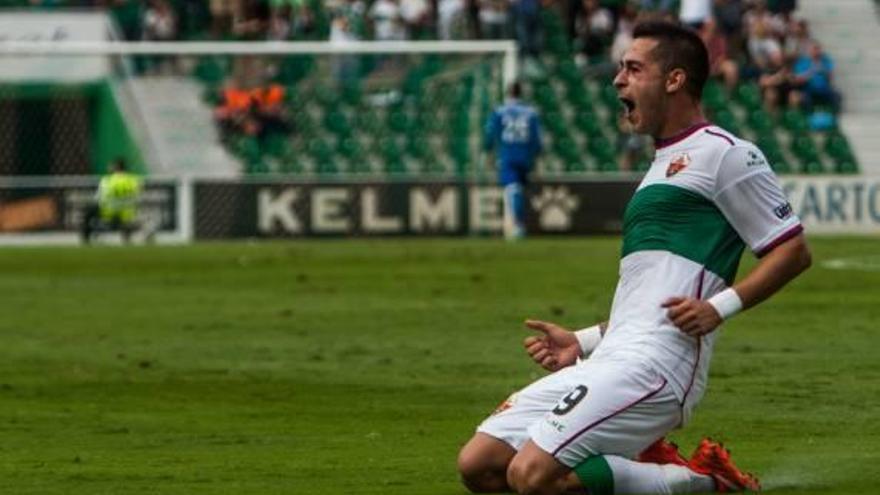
(749, 95)
(795, 121)
(812, 167)
(211, 70)
(323, 156)
(276, 145)
(294, 68)
(555, 122)
(567, 149)
(352, 94)
(398, 121)
(588, 123)
(761, 122)
(769, 145)
(714, 97)
(417, 145)
(803, 147)
(336, 122)
(846, 167)
(602, 149)
(725, 119)
(781, 166)
(838, 148)
(610, 98)
(367, 121)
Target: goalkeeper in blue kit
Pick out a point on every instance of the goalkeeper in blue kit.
(514, 131)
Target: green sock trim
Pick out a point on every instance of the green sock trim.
(596, 476)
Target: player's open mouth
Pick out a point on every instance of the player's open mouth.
(628, 105)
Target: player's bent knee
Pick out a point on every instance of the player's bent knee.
(482, 465)
(527, 477)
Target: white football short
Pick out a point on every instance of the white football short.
(607, 407)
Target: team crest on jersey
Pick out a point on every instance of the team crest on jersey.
(507, 404)
(678, 163)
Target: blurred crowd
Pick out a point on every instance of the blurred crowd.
(758, 40)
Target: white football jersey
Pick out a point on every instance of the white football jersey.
(706, 196)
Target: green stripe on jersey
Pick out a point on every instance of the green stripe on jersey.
(596, 476)
(670, 218)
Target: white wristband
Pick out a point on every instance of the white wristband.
(589, 338)
(726, 302)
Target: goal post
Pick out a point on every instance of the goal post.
(377, 103)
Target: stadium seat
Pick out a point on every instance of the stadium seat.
(352, 94)
(725, 119)
(761, 122)
(795, 121)
(588, 123)
(602, 150)
(322, 154)
(398, 121)
(336, 122)
(714, 97)
(749, 95)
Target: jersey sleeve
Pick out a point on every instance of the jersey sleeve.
(749, 195)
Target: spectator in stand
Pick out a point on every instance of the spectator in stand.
(729, 16)
(812, 79)
(233, 114)
(529, 28)
(472, 11)
(783, 7)
(595, 29)
(797, 40)
(694, 13)
(251, 22)
(303, 20)
(159, 22)
(657, 5)
(269, 111)
(222, 13)
(721, 65)
(414, 14)
(449, 16)
(280, 22)
(768, 65)
(345, 67)
(494, 19)
(759, 14)
(623, 36)
(387, 23)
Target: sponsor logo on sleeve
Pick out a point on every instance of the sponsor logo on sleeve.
(755, 160)
(783, 211)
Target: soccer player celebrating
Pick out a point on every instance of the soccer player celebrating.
(706, 196)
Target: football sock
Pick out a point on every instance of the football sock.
(516, 202)
(612, 475)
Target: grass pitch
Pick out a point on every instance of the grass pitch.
(360, 367)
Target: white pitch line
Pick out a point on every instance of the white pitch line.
(858, 263)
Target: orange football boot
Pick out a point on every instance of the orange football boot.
(712, 459)
(662, 452)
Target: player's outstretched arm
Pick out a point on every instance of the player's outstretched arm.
(558, 347)
(777, 268)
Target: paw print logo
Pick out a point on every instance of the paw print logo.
(555, 206)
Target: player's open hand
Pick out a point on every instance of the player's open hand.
(555, 349)
(694, 317)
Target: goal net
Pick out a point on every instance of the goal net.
(316, 109)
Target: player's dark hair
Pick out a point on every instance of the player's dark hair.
(119, 163)
(515, 90)
(678, 48)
